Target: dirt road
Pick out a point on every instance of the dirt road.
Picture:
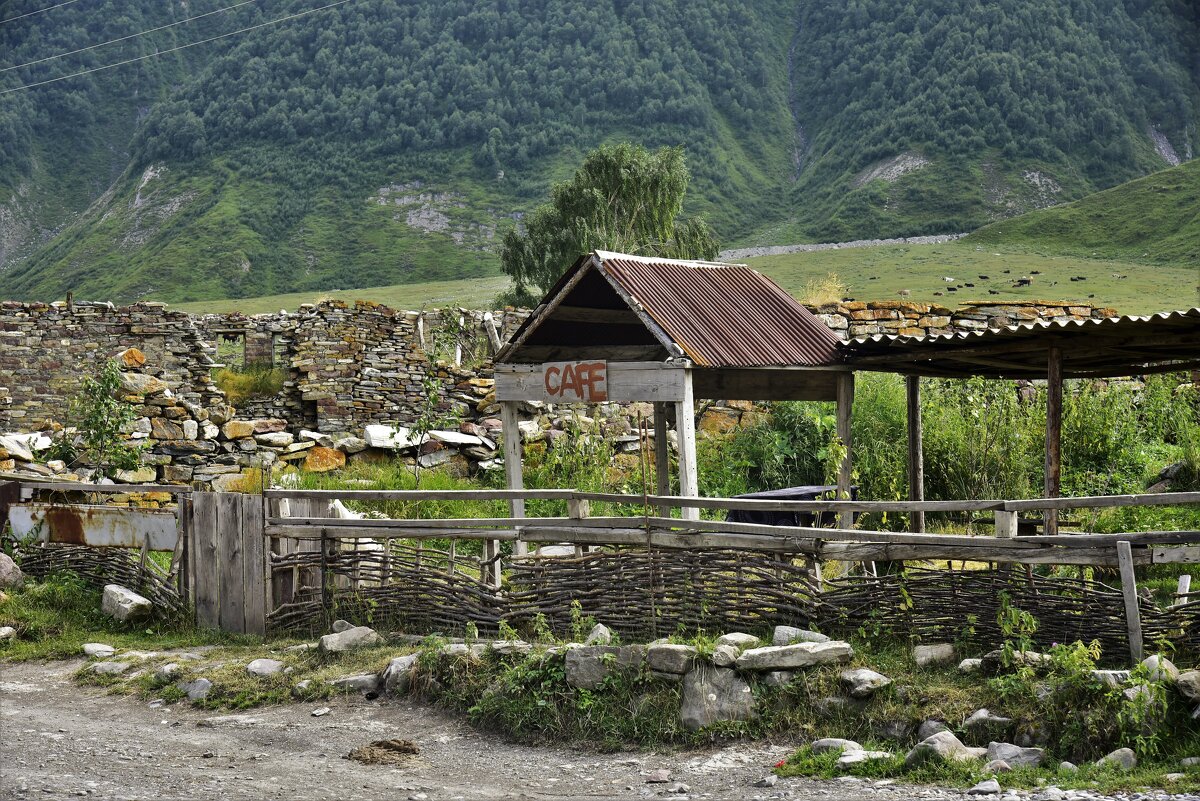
(58, 740)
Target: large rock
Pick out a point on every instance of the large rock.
(270, 425)
(944, 746)
(740, 640)
(349, 445)
(941, 653)
(125, 605)
(929, 728)
(389, 437)
(362, 683)
(834, 744)
(197, 689)
(863, 682)
(669, 658)
(7, 633)
(163, 429)
(15, 448)
(1161, 669)
(237, 429)
(349, 640)
(321, 459)
(264, 667)
(11, 577)
(725, 655)
(1188, 684)
(275, 439)
(131, 358)
(98, 650)
(600, 633)
(1123, 758)
(714, 695)
(786, 635)
(141, 384)
(1015, 756)
(992, 663)
(587, 667)
(790, 657)
(397, 676)
(982, 726)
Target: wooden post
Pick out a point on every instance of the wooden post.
(206, 587)
(685, 426)
(1133, 616)
(515, 480)
(916, 456)
(1183, 590)
(662, 456)
(845, 402)
(579, 509)
(256, 566)
(1054, 401)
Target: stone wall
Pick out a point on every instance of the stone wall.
(906, 318)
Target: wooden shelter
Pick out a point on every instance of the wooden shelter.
(627, 328)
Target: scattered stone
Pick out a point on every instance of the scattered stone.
(167, 673)
(970, 666)
(668, 658)
(587, 666)
(11, 577)
(264, 667)
(983, 726)
(1067, 767)
(985, 787)
(1161, 669)
(1124, 758)
(660, 776)
(362, 682)
(738, 640)
(1016, 756)
(341, 625)
(992, 663)
(930, 728)
(997, 766)
(348, 640)
(712, 695)
(125, 605)
(1112, 679)
(943, 745)
(599, 635)
(512, 647)
(320, 712)
(110, 668)
(786, 635)
(301, 648)
(767, 781)
(941, 653)
(349, 445)
(1189, 762)
(196, 690)
(834, 744)
(1188, 684)
(849, 758)
(397, 676)
(7, 633)
(778, 678)
(786, 657)
(1174, 777)
(895, 730)
(863, 682)
(141, 384)
(725, 655)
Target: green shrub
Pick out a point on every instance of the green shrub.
(252, 381)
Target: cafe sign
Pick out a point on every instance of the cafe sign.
(576, 382)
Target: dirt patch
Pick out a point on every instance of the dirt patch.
(385, 752)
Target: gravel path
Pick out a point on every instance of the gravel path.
(58, 740)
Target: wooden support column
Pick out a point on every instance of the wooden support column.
(916, 455)
(662, 456)
(1133, 616)
(514, 480)
(845, 402)
(1054, 402)
(685, 427)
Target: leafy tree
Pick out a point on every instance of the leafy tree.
(102, 421)
(623, 198)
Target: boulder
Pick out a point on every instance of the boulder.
(166, 673)
(350, 445)
(714, 695)
(589, 665)
(131, 358)
(196, 690)
(349, 640)
(943, 745)
(834, 744)
(141, 384)
(970, 666)
(110, 668)
(1188, 682)
(271, 425)
(362, 683)
(668, 658)
(997, 766)
(862, 682)
(600, 633)
(738, 640)
(1015, 756)
(1123, 758)
(389, 437)
(786, 635)
(849, 758)
(237, 429)
(7, 633)
(941, 653)
(98, 650)
(275, 439)
(983, 726)
(725, 655)
(790, 657)
(11, 577)
(397, 676)
(456, 438)
(125, 605)
(324, 440)
(896, 730)
(930, 728)
(1161, 669)
(992, 663)
(264, 667)
(985, 787)
(511, 647)
(1112, 679)
(140, 475)
(320, 459)
(340, 625)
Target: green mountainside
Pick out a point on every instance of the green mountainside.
(392, 141)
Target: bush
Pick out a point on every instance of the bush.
(252, 381)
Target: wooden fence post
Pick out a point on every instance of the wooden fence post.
(1183, 590)
(1133, 616)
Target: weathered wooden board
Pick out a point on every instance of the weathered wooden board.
(230, 553)
(625, 382)
(206, 560)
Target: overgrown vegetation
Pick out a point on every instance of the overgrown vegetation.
(101, 425)
(251, 381)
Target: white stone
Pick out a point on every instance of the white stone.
(725, 655)
(1124, 758)
(970, 665)
(7, 633)
(834, 744)
(275, 439)
(863, 682)
(98, 650)
(16, 448)
(11, 577)
(739, 640)
(713, 695)
(943, 745)
(985, 787)
(600, 633)
(324, 440)
(348, 640)
(264, 667)
(1015, 755)
(941, 653)
(786, 635)
(849, 758)
(191, 429)
(124, 605)
(363, 683)
(397, 676)
(456, 438)
(789, 657)
(390, 437)
(669, 658)
(1161, 669)
(530, 431)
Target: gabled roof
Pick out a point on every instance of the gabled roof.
(1107, 347)
(715, 315)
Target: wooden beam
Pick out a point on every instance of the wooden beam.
(562, 353)
(845, 405)
(513, 476)
(1054, 404)
(583, 314)
(916, 455)
(765, 384)
(662, 457)
(625, 382)
(685, 427)
(424, 495)
(1133, 616)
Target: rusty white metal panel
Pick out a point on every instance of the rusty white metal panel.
(97, 526)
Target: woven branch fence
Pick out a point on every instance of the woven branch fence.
(100, 566)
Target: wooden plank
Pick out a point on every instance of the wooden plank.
(731, 383)
(206, 587)
(255, 566)
(309, 535)
(1054, 403)
(1006, 525)
(845, 405)
(229, 539)
(583, 314)
(74, 486)
(1133, 616)
(662, 457)
(799, 506)
(1182, 590)
(916, 451)
(685, 428)
(1102, 556)
(1105, 501)
(514, 479)
(627, 382)
(1182, 555)
(559, 353)
(423, 495)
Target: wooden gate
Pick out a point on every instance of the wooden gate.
(227, 564)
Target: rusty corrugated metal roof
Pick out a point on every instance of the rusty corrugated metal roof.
(723, 315)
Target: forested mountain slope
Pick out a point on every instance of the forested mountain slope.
(384, 141)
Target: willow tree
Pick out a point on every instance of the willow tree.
(623, 198)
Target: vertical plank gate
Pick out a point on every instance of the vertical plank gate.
(228, 564)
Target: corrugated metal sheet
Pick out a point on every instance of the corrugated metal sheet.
(723, 315)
